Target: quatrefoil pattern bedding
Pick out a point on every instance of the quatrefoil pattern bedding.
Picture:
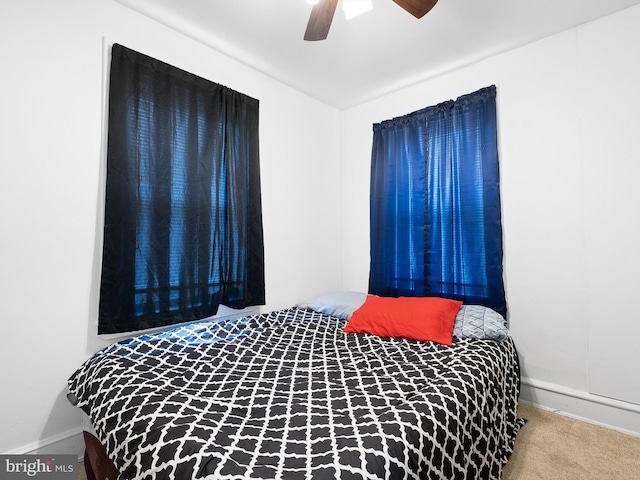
(289, 395)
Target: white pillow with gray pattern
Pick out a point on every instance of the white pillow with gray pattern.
(476, 321)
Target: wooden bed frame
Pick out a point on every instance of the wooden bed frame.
(96, 462)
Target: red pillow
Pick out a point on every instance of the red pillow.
(416, 318)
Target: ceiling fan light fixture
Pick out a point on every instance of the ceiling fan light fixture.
(322, 13)
(353, 8)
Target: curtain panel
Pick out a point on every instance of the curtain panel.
(183, 221)
(436, 225)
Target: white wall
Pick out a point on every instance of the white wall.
(570, 159)
(51, 169)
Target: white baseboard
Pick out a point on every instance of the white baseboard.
(606, 412)
(70, 442)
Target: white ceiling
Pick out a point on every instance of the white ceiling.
(375, 53)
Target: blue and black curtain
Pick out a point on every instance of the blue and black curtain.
(436, 226)
(183, 221)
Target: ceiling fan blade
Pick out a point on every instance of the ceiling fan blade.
(320, 20)
(417, 8)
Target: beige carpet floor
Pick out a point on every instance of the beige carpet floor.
(555, 447)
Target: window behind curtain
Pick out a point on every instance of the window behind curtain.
(183, 221)
(435, 203)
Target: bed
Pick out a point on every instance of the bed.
(290, 395)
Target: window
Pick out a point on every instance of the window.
(183, 221)
(435, 203)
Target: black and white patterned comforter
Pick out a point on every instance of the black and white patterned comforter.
(289, 395)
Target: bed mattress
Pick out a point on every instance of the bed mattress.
(289, 395)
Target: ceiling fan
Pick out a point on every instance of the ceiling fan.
(323, 10)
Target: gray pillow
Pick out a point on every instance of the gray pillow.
(336, 304)
(476, 321)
